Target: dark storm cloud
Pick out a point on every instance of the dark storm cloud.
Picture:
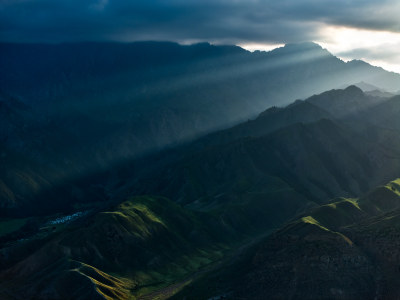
(226, 21)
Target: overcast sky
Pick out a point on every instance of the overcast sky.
(362, 29)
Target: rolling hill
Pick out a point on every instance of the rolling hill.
(346, 249)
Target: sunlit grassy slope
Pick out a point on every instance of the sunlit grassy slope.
(153, 241)
(135, 247)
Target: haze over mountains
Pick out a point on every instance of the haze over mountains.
(155, 170)
(78, 109)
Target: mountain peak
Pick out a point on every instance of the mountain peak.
(304, 46)
(354, 90)
(309, 48)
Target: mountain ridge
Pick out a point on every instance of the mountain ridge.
(95, 105)
(282, 200)
(279, 173)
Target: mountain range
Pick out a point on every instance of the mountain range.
(118, 183)
(84, 108)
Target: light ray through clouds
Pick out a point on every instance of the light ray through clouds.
(236, 70)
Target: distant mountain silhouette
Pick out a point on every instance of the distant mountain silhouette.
(366, 87)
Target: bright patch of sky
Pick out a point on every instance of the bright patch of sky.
(379, 48)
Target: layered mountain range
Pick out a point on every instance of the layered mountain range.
(102, 199)
(69, 111)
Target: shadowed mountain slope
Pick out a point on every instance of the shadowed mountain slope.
(319, 160)
(228, 194)
(346, 249)
(344, 103)
(87, 107)
(227, 190)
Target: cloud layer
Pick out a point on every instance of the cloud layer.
(185, 21)
(267, 21)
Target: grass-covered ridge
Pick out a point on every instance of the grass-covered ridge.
(151, 243)
(131, 249)
(107, 286)
(344, 243)
(150, 246)
(151, 240)
(348, 211)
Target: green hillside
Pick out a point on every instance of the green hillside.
(144, 243)
(277, 207)
(346, 249)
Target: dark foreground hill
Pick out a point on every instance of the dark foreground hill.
(347, 249)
